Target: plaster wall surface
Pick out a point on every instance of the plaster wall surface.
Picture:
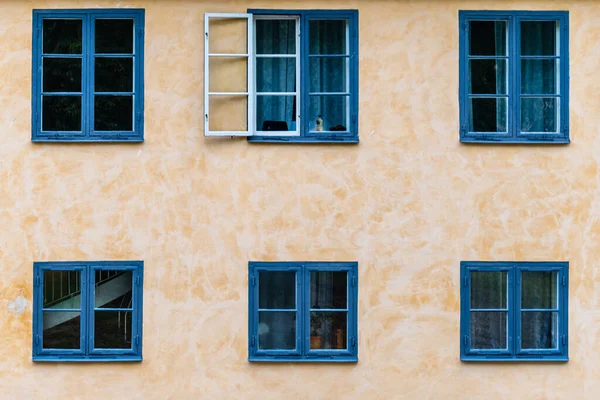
(408, 203)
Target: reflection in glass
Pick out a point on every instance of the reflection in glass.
(328, 330)
(113, 74)
(539, 114)
(488, 289)
(539, 330)
(113, 289)
(539, 289)
(61, 36)
(488, 330)
(114, 36)
(328, 36)
(277, 290)
(328, 75)
(61, 113)
(488, 114)
(113, 113)
(61, 74)
(112, 329)
(62, 330)
(328, 289)
(488, 76)
(62, 289)
(275, 36)
(539, 76)
(487, 38)
(539, 38)
(277, 330)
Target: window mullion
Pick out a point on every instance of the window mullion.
(304, 78)
(303, 328)
(88, 75)
(515, 75)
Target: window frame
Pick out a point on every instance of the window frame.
(87, 352)
(87, 133)
(514, 353)
(303, 353)
(514, 134)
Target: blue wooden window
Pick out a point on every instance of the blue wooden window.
(306, 88)
(87, 311)
(303, 311)
(88, 75)
(514, 311)
(514, 76)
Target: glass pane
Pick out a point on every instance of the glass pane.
(328, 113)
(275, 75)
(488, 115)
(539, 114)
(488, 76)
(62, 330)
(539, 38)
(328, 289)
(113, 113)
(328, 36)
(61, 113)
(275, 37)
(539, 289)
(487, 38)
(113, 74)
(328, 330)
(61, 74)
(488, 289)
(276, 113)
(539, 76)
(62, 289)
(113, 289)
(114, 36)
(277, 289)
(277, 330)
(488, 330)
(539, 330)
(328, 75)
(61, 36)
(112, 329)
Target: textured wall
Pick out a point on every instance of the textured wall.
(408, 203)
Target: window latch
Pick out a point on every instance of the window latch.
(253, 341)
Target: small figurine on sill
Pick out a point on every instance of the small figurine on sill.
(319, 124)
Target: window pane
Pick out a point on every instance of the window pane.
(488, 115)
(328, 36)
(61, 36)
(276, 113)
(275, 75)
(539, 330)
(113, 74)
(277, 289)
(62, 289)
(113, 113)
(276, 330)
(328, 289)
(61, 113)
(539, 76)
(62, 330)
(488, 289)
(114, 36)
(487, 38)
(488, 76)
(113, 289)
(328, 75)
(539, 289)
(331, 111)
(275, 37)
(488, 330)
(61, 74)
(539, 114)
(112, 329)
(328, 330)
(539, 38)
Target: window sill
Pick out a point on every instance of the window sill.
(304, 360)
(513, 359)
(298, 139)
(490, 140)
(86, 359)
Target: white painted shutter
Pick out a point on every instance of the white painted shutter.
(248, 94)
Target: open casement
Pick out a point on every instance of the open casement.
(228, 75)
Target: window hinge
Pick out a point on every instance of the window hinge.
(565, 129)
(466, 281)
(466, 340)
(353, 341)
(37, 280)
(354, 33)
(37, 32)
(140, 32)
(37, 340)
(354, 281)
(464, 25)
(253, 280)
(206, 116)
(37, 116)
(139, 117)
(137, 280)
(564, 281)
(137, 340)
(463, 129)
(253, 341)
(564, 340)
(353, 118)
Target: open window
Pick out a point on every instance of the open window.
(288, 76)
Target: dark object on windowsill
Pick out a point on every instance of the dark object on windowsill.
(274, 126)
(337, 128)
